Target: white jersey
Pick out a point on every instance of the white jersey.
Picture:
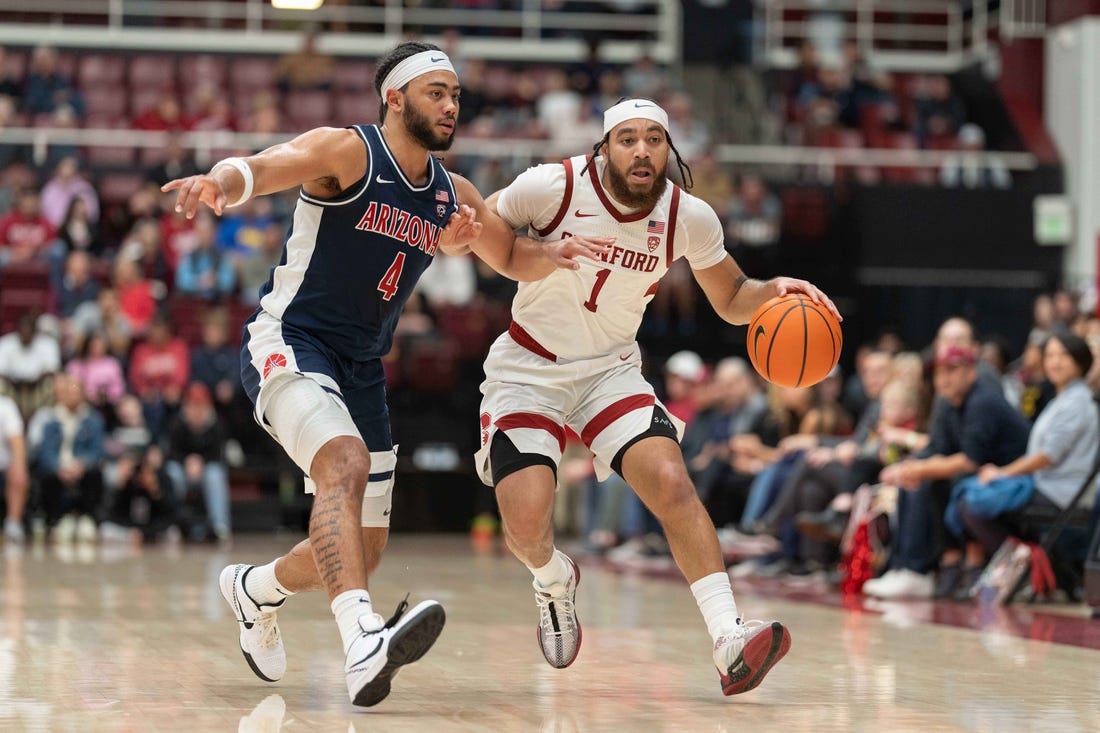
(596, 310)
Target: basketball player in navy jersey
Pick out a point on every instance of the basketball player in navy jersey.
(374, 208)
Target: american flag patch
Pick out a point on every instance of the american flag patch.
(444, 196)
(656, 227)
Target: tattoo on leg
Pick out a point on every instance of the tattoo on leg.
(324, 534)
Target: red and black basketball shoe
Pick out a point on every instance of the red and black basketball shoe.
(749, 653)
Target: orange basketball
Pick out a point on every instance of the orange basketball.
(794, 342)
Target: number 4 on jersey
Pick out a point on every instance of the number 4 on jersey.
(388, 285)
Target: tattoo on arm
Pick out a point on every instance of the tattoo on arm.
(741, 280)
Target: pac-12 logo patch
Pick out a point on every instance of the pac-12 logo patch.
(274, 361)
(653, 243)
(486, 421)
(440, 211)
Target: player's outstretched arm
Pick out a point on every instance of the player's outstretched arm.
(324, 161)
(735, 296)
(517, 257)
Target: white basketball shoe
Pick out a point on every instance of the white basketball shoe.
(375, 658)
(559, 631)
(744, 657)
(261, 643)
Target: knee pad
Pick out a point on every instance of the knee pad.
(303, 417)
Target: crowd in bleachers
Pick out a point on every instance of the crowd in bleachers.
(838, 100)
(122, 317)
(914, 469)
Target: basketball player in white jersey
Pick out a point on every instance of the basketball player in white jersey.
(570, 359)
(373, 208)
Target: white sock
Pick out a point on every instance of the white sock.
(715, 598)
(347, 608)
(264, 587)
(554, 572)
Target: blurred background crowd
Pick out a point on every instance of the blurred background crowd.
(122, 416)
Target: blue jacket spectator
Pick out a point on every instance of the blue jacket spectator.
(206, 271)
(70, 459)
(47, 89)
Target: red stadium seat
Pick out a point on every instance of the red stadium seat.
(97, 69)
(430, 366)
(249, 73)
(468, 326)
(25, 276)
(144, 98)
(15, 63)
(354, 76)
(106, 101)
(202, 69)
(805, 213)
(356, 109)
(308, 109)
(15, 303)
(153, 71)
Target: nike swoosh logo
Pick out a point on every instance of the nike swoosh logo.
(624, 357)
(237, 601)
(579, 214)
(387, 512)
(756, 337)
(380, 179)
(436, 60)
(364, 659)
(636, 105)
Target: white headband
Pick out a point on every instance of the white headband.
(630, 109)
(414, 66)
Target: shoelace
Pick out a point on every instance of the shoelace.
(739, 633)
(397, 614)
(269, 630)
(563, 609)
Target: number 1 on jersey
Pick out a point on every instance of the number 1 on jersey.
(388, 285)
(601, 278)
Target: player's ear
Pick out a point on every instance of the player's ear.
(394, 99)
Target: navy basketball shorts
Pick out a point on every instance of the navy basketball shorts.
(304, 396)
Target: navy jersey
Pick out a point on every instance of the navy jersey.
(351, 262)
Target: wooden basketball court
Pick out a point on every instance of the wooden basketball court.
(116, 639)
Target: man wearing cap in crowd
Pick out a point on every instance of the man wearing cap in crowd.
(977, 427)
(1060, 453)
(570, 359)
(685, 372)
(374, 207)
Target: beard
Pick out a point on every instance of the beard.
(423, 130)
(628, 194)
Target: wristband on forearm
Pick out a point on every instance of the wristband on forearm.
(246, 172)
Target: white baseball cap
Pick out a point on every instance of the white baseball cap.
(686, 365)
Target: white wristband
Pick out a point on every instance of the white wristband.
(246, 172)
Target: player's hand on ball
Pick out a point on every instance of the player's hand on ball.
(564, 252)
(194, 190)
(785, 285)
(462, 229)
